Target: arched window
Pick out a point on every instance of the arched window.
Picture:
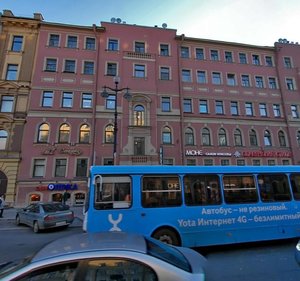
(84, 134)
(189, 136)
(109, 134)
(139, 115)
(281, 138)
(166, 135)
(238, 141)
(253, 138)
(3, 139)
(267, 138)
(206, 137)
(64, 133)
(222, 137)
(43, 133)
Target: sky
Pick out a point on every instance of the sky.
(255, 22)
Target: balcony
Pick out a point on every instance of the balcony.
(140, 56)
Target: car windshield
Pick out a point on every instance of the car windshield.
(7, 267)
(48, 208)
(167, 253)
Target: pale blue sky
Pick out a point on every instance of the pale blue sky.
(257, 22)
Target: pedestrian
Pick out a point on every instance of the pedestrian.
(2, 203)
(66, 196)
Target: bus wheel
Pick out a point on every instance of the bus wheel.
(167, 235)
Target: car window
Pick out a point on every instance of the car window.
(118, 269)
(48, 208)
(61, 272)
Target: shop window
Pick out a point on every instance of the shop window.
(79, 198)
(57, 197)
(34, 197)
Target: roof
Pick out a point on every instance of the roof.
(88, 242)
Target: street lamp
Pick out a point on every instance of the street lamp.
(127, 96)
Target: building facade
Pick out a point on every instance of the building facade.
(192, 102)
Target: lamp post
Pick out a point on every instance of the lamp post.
(127, 96)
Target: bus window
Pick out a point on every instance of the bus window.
(295, 181)
(202, 190)
(112, 192)
(273, 187)
(161, 191)
(239, 189)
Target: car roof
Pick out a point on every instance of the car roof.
(88, 242)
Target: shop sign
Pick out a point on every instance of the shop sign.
(57, 186)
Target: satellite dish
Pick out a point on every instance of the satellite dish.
(119, 20)
(113, 19)
(164, 25)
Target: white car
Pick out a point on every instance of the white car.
(108, 256)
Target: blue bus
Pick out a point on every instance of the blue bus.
(195, 205)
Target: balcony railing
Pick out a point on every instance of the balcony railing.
(141, 56)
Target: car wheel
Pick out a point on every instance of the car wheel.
(167, 235)
(36, 227)
(18, 220)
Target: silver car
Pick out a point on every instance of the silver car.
(108, 256)
(45, 215)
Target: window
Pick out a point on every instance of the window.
(255, 60)
(203, 106)
(88, 67)
(7, 103)
(276, 110)
(219, 107)
(64, 133)
(189, 136)
(67, 100)
(239, 189)
(234, 109)
(243, 58)
(222, 137)
(240, 162)
(164, 50)
(113, 45)
(281, 139)
(109, 134)
(290, 84)
(263, 110)
(166, 135)
(287, 62)
(191, 162)
(298, 138)
(51, 65)
(139, 146)
(201, 77)
(165, 73)
(256, 162)
(111, 69)
(47, 99)
(225, 162)
(216, 78)
(84, 133)
(60, 167)
(231, 79)
(272, 83)
(139, 71)
(187, 105)
(267, 138)
(186, 75)
(11, 72)
(294, 110)
(269, 61)
(17, 43)
(165, 104)
(253, 138)
(53, 40)
(139, 47)
(259, 82)
(81, 167)
(139, 115)
(3, 139)
(70, 66)
(72, 42)
(110, 102)
(249, 108)
(185, 52)
(199, 54)
(245, 81)
(39, 166)
(208, 162)
(86, 100)
(90, 43)
(238, 141)
(214, 55)
(43, 133)
(228, 57)
(205, 135)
